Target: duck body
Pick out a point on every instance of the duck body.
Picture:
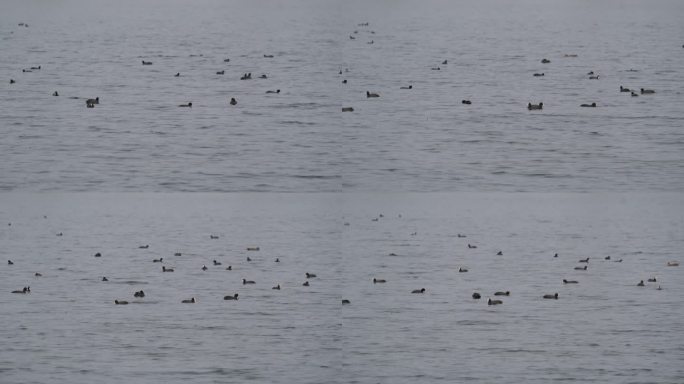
(234, 297)
(494, 302)
(189, 301)
(535, 107)
(554, 296)
(422, 290)
(592, 105)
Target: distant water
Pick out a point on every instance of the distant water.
(422, 139)
(605, 329)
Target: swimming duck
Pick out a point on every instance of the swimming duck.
(246, 76)
(159, 260)
(500, 253)
(533, 107)
(38, 274)
(352, 37)
(570, 281)
(436, 68)
(139, 294)
(252, 248)
(476, 295)
(652, 280)
(344, 81)
(146, 62)
(623, 89)
(607, 258)
(244, 281)
(581, 268)
(55, 93)
(10, 262)
(471, 246)
(659, 289)
(97, 255)
(120, 302)
(177, 74)
(25, 290)
(188, 105)
(463, 269)
(276, 91)
(673, 263)
(248, 258)
(641, 284)
(177, 254)
(499, 293)
(594, 77)
(217, 262)
(104, 278)
(12, 81)
(634, 94)
(233, 101)
(460, 235)
(545, 61)
(93, 101)
(221, 72)
(263, 76)
(164, 269)
(409, 87)
(647, 91)
(538, 74)
(144, 246)
(229, 268)
(584, 260)
(345, 301)
(592, 105)
(369, 95)
(234, 297)
(444, 62)
(226, 60)
(468, 102)
(306, 284)
(379, 281)
(277, 287)
(204, 268)
(268, 56)
(422, 290)
(310, 275)
(277, 260)
(554, 296)
(189, 301)
(494, 302)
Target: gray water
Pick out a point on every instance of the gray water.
(422, 139)
(382, 192)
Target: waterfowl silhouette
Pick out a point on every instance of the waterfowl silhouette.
(594, 77)
(494, 302)
(229, 268)
(164, 269)
(248, 258)
(93, 101)
(581, 268)
(379, 281)
(10, 262)
(234, 297)
(476, 295)
(422, 290)
(277, 287)
(97, 255)
(268, 56)
(244, 281)
(463, 269)
(25, 290)
(221, 72)
(369, 95)
(641, 284)
(276, 91)
(189, 301)
(38, 274)
(460, 235)
(104, 278)
(584, 260)
(252, 248)
(652, 280)
(673, 263)
(177, 74)
(120, 302)
(623, 89)
(444, 62)
(204, 268)
(545, 61)
(500, 293)
(592, 105)
(233, 101)
(263, 76)
(409, 87)
(277, 260)
(345, 301)
(533, 107)
(177, 254)
(634, 94)
(471, 246)
(344, 81)
(226, 60)
(500, 253)
(538, 74)
(159, 260)
(570, 281)
(310, 275)
(12, 81)
(144, 246)
(55, 93)
(306, 284)
(647, 91)
(468, 102)
(188, 105)
(436, 68)
(139, 294)
(217, 262)
(214, 237)
(146, 62)
(554, 296)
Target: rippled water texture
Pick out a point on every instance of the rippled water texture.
(604, 329)
(422, 139)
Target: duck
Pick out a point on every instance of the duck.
(606, 258)
(538, 74)
(263, 76)
(229, 268)
(12, 81)
(188, 105)
(268, 56)
(592, 105)
(26, 70)
(144, 246)
(36, 68)
(277, 287)
(10, 262)
(234, 297)
(164, 269)
(189, 301)
(246, 76)
(252, 248)
(409, 87)
(641, 284)
(204, 268)
(555, 255)
(344, 81)
(594, 77)
(233, 101)
(617, 261)
(221, 72)
(581, 268)
(306, 284)
(120, 302)
(673, 263)
(93, 101)
(476, 296)
(97, 255)
(494, 302)
(463, 269)
(177, 74)
(500, 293)
(178, 254)
(460, 236)
(570, 281)
(55, 93)
(159, 260)
(248, 258)
(652, 280)
(634, 94)
(139, 294)
(226, 60)
(468, 102)
(533, 107)
(146, 62)
(659, 289)
(276, 91)
(345, 301)
(554, 296)
(436, 68)
(623, 89)
(352, 37)
(245, 281)
(369, 95)
(471, 246)
(422, 290)
(25, 290)
(584, 260)
(545, 61)
(379, 281)
(217, 262)
(647, 91)
(277, 260)
(310, 275)
(38, 274)
(104, 278)
(500, 253)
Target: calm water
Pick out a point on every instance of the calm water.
(605, 329)
(424, 139)
(597, 182)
